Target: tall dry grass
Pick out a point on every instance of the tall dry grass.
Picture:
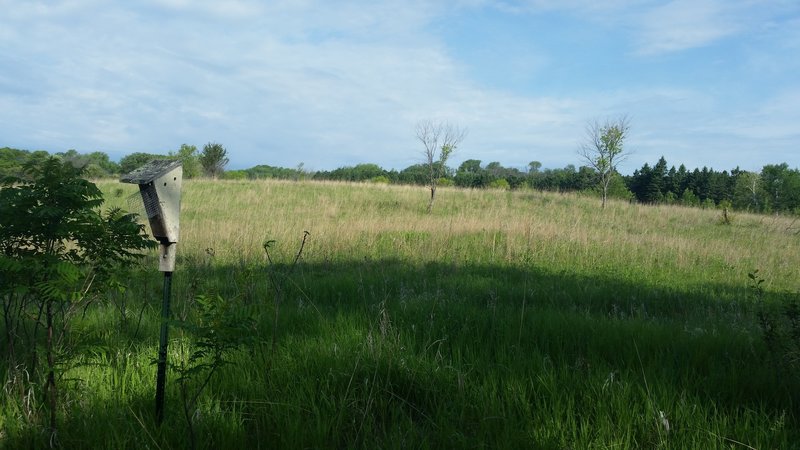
(557, 231)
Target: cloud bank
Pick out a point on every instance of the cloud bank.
(340, 83)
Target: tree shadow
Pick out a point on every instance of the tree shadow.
(461, 324)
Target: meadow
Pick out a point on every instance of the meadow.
(504, 319)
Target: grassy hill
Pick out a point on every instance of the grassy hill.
(501, 320)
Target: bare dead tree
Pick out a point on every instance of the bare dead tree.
(440, 140)
(603, 149)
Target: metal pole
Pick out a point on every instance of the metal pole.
(161, 376)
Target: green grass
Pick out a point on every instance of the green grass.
(502, 320)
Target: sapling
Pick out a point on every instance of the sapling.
(219, 330)
(440, 141)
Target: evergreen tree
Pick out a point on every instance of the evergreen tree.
(654, 191)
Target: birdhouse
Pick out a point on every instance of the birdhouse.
(160, 186)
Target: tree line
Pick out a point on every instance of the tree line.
(776, 188)
(210, 161)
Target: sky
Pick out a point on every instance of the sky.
(330, 83)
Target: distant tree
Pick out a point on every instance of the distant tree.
(471, 175)
(558, 180)
(265, 171)
(585, 180)
(637, 183)
(699, 182)
(618, 189)
(301, 172)
(721, 186)
(214, 158)
(470, 166)
(495, 169)
(708, 203)
(603, 149)
(345, 173)
(366, 172)
(674, 184)
(655, 187)
(689, 198)
(514, 176)
(748, 193)
(382, 179)
(133, 161)
(12, 160)
(440, 141)
(234, 175)
(500, 183)
(191, 160)
(103, 162)
(681, 179)
(782, 186)
(94, 165)
(359, 172)
(74, 158)
(534, 167)
(415, 174)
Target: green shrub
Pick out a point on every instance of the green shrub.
(60, 254)
(234, 175)
(381, 179)
(500, 183)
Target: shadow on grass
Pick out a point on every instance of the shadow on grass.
(386, 351)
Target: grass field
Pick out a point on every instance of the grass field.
(502, 320)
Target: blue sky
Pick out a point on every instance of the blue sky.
(332, 83)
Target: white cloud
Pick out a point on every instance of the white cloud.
(295, 77)
(684, 24)
(217, 9)
(773, 119)
(326, 83)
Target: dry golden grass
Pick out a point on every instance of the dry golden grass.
(557, 231)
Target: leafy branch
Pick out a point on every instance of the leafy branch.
(219, 330)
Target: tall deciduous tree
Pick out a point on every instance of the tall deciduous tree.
(748, 192)
(190, 158)
(214, 158)
(440, 140)
(603, 149)
(782, 186)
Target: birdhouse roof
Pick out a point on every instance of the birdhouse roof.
(151, 171)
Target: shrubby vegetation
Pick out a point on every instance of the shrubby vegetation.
(59, 254)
